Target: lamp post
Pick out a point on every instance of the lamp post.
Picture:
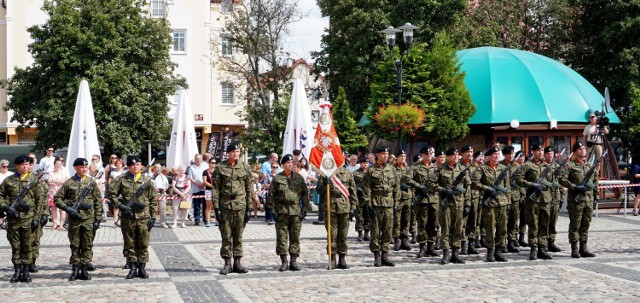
(390, 35)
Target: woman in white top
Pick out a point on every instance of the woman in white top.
(55, 179)
(117, 170)
(181, 189)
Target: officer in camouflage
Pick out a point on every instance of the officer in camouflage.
(426, 203)
(468, 221)
(556, 204)
(24, 217)
(84, 218)
(513, 210)
(402, 209)
(381, 189)
(138, 217)
(522, 222)
(579, 200)
(44, 219)
(340, 206)
(289, 199)
(232, 192)
(362, 217)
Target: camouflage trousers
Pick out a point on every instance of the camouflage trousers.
(451, 225)
(288, 234)
(401, 219)
(524, 220)
(412, 219)
(538, 215)
(37, 235)
(381, 225)
(579, 220)
(362, 217)
(513, 220)
(553, 219)
(20, 238)
(231, 229)
(81, 236)
(472, 228)
(427, 222)
(136, 239)
(495, 226)
(339, 231)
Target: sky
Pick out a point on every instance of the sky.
(305, 34)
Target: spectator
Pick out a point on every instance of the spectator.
(266, 184)
(47, 162)
(162, 184)
(353, 163)
(266, 166)
(35, 168)
(254, 197)
(115, 172)
(94, 171)
(207, 179)
(55, 179)
(110, 166)
(197, 187)
(297, 154)
(181, 189)
(96, 161)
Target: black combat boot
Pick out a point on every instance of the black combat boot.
(133, 272)
(32, 266)
(463, 249)
(575, 253)
(543, 254)
(503, 249)
(385, 260)
(293, 265)
(498, 254)
(237, 266)
(446, 257)
(142, 271)
(285, 263)
(17, 273)
(516, 243)
(74, 273)
(227, 266)
(377, 261)
(431, 250)
(360, 234)
(84, 274)
(413, 238)
(584, 251)
(396, 244)
(533, 255)
(422, 251)
(366, 235)
(90, 267)
(521, 240)
(490, 255)
(553, 247)
(25, 275)
(333, 262)
(511, 246)
(404, 244)
(437, 244)
(472, 248)
(342, 262)
(455, 257)
(478, 244)
(127, 265)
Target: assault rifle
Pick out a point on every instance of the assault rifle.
(499, 190)
(455, 186)
(79, 204)
(541, 180)
(586, 182)
(18, 204)
(133, 205)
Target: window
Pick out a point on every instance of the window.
(158, 8)
(179, 40)
(226, 6)
(227, 93)
(225, 42)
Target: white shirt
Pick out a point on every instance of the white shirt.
(195, 172)
(46, 163)
(161, 182)
(591, 133)
(353, 168)
(5, 175)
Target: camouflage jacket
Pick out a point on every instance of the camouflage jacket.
(36, 198)
(124, 187)
(529, 174)
(287, 193)
(339, 203)
(405, 174)
(70, 191)
(426, 175)
(446, 177)
(486, 178)
(381, 186)
(232, 186)
(573, 174)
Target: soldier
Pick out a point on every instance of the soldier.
(426, 204)
(453, 184)
(493, 180)
(468, 221)
(232, 192)
(23, 216)
(288, 191)
(80, 197)
(342, 203)
(537, 177)
(134, 195)
(44, 219)
(522, 222)
(556, 204)
(513, 211)
(440, 157)
(579, 199)
(478, 233)
(402, 209)
(381, 188)
(362, 216)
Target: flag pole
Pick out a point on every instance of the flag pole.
(328, 209)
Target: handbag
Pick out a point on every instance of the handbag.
(185, 204)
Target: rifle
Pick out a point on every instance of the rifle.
(79, 204)
(133, 205)
(585, 182)
(496, 186)
(456, 183)
(541, 180)
(18, 204)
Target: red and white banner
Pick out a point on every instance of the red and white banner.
(326, 155)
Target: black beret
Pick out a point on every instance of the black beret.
(508, 150)
(439, 153)
(416, 158)
(362, 159)
(518, 153)
(286, 158)
(424, 150)
(231, 147)
(536, 146)
(381, 149)
(22, 159)
(401, 152)
(131, 160)
(80, 162)
(577, 145)
(548, 149)
(477, 153)
(492, 151)
(452, 150)
(466, 148)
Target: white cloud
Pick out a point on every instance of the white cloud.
(305, 34)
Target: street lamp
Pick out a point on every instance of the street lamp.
(390, 35)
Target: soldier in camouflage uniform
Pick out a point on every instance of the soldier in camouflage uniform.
(556, 204)
(288, 191)
(362, 216)
(454, 205)
(24, 219)
(340, 206)
(402, 213)
(468, 221)
(426, 204)
(232, 192)
(476, 236)
(494, 203)
(137, 218)
(44, 219)
(579, 200)
(522, 222)
(513, 210)
(538, 198)
(381, 188)
(84, 218)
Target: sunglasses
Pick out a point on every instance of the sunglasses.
(113, 158)
(50, 150)
(4, 166)
(212, 162)
(94, 159)
(274, 167)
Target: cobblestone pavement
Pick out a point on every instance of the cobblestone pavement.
(184, 265)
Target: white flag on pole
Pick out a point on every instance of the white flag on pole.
(299, 131)
(83, 142)
(183, 145)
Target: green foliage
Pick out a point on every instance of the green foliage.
(344, 121)
(265, 133)
(630, 122)
(122, 53)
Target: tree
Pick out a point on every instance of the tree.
(265, 133)
(344, 121)
(123, 54)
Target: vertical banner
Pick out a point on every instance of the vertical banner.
(214, 145)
